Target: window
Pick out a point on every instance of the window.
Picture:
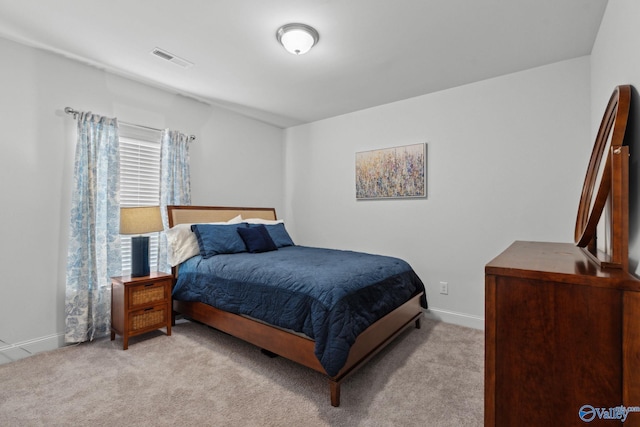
(139, 181)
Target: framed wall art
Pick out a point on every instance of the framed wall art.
(397, 172)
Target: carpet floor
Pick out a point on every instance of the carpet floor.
(431, 376)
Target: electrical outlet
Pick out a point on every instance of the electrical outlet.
(444, 288)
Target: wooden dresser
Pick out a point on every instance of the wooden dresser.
(561, 333)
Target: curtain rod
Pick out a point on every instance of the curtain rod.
(75, 113)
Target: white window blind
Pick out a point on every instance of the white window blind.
(139, 181)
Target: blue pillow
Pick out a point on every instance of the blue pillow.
(278, 234)
(214, 239)
(257, 239)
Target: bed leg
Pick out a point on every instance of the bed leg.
(173, 318)
(418, 325)
(335, 392)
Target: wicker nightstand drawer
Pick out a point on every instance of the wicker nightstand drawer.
(143, 295)
(151, 318)
(139, 305)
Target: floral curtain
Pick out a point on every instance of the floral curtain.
(175, 182)
(94, 244)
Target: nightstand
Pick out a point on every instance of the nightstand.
(140, 305)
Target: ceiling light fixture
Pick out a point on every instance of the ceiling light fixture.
(297, 38)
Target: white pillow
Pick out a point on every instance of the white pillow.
(262, 221)
(182, 243)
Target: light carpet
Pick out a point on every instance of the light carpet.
(431, 376)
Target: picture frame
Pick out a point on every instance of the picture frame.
(392, 173)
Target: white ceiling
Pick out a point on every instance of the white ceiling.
(371, 52)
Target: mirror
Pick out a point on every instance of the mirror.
(606, 181)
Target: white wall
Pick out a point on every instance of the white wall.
(235, 161)
(506, 160)
(615, 61)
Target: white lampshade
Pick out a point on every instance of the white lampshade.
(297, 38)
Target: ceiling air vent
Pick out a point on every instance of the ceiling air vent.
(160, 53)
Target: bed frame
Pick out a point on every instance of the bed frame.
(275, 340)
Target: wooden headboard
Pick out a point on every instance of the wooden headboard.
(203, 214)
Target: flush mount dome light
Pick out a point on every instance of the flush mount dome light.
(297, 38)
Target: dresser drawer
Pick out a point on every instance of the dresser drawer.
(147, 294)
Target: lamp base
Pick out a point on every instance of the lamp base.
(140, 256)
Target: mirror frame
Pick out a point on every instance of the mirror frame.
(607, 179)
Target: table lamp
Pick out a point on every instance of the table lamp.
(140, 220)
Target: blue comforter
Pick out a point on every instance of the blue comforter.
(329, 295)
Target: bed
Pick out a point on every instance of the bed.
(332, 330)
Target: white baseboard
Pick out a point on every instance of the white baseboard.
(20, 350)
(461, 319)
